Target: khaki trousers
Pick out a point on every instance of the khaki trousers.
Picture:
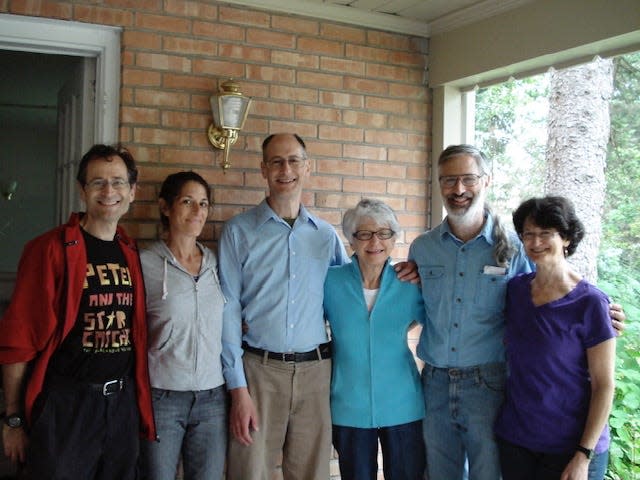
(292, 400)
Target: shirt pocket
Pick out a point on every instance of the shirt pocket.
(432, 279)
(491, 291)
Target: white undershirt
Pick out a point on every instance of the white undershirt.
(370, 297)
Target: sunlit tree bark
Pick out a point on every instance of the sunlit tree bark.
(579, 127)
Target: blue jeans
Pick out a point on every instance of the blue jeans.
(461, 408)
(402, 451)
(519, 463)
(193, 424)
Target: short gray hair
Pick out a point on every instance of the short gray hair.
(378, 211)
(468, 150)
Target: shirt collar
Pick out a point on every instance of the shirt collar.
(264, 213)
(486, 232)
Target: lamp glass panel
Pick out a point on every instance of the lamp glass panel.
(233, 111)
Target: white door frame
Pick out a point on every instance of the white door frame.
(44, 35)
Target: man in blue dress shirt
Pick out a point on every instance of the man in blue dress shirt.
(273, 263)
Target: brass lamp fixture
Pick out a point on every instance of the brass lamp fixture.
(230, 109)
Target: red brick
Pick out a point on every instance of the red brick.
(188, 83)
(41, 9)
(188, 8)
(138, 115)
(243, 52)
(145, 5)
(305, 130)
(162, 23)
(324, 182)
(144, 154)
(219, 68)
(366, 85)
(270, 74)
(323, 149)
(185, 120)
(159, 136)
(367, 53)
(339, 167)
(411, 220)
(342, 65)
(189, 46)
(293, 94)
(272, 109)
(407, 156)
(408, 123)
(365, 152)
(295, 59)
(407, 188)
(296, 25)
(385, 137)
(270, 38)
(384, 170)
(160, 61)
(390, 72)
(321, 80)
(103, 16)
(336, 200)
(242, 196)
(409, 59)
(388, 40)
(144, 78)
(340, 32)
(349, 134)
(365, 186)
(419, 141)
(141, 40)
(342, 99)
(386, 105)
(323, 47)
(416, 173)
(416, 92)
(364, 119)
(244, 16)
(161, 99)
(305, 112)
(229, 33)
(415, 204)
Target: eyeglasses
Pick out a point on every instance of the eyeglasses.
(382, 234)
(277, 163)
(101, 183)
(544, 236)
(468, 180)
(190, 202)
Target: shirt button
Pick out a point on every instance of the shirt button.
(293, 276)
(453, 349)
(458, 300)
(455, 325)
(291, 326)
(461, 274)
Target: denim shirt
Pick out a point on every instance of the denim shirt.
(273, 276)
(464, 297)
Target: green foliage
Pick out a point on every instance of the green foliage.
(511, 130)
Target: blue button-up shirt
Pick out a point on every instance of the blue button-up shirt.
(464, 294)
(273, 277)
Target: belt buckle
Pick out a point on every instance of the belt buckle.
(105, 387)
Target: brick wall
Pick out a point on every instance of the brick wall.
(357, 96)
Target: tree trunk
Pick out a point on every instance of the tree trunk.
(577, 147)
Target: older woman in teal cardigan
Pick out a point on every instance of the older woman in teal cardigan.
(376, 394)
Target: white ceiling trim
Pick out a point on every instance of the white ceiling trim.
(339, 13)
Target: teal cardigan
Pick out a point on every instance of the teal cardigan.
(375, 381)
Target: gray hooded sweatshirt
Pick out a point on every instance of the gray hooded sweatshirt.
(184, 317)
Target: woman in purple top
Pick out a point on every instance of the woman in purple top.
(560, 351)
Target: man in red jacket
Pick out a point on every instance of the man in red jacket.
(73, 342)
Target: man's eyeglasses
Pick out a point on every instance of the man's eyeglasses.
(450, 181)
(382, 234)
(544, 236)
(101, 183)
(277, 163)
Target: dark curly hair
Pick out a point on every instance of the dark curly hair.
(106, 152)
(551, 212)
(172, 186)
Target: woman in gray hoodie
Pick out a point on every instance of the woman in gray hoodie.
(184, 317)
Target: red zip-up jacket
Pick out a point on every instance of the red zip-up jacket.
(44, 307)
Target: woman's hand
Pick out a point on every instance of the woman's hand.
(577, 468)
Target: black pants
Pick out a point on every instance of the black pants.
(79, 433)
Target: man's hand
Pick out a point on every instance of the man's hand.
(243, 417)
(617, 317)
(407, 271)
(15, 443)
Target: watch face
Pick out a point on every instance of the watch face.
(14, 421)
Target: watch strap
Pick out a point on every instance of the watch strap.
(588, 452)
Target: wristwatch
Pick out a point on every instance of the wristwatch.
(588, 452)
(15, 420)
